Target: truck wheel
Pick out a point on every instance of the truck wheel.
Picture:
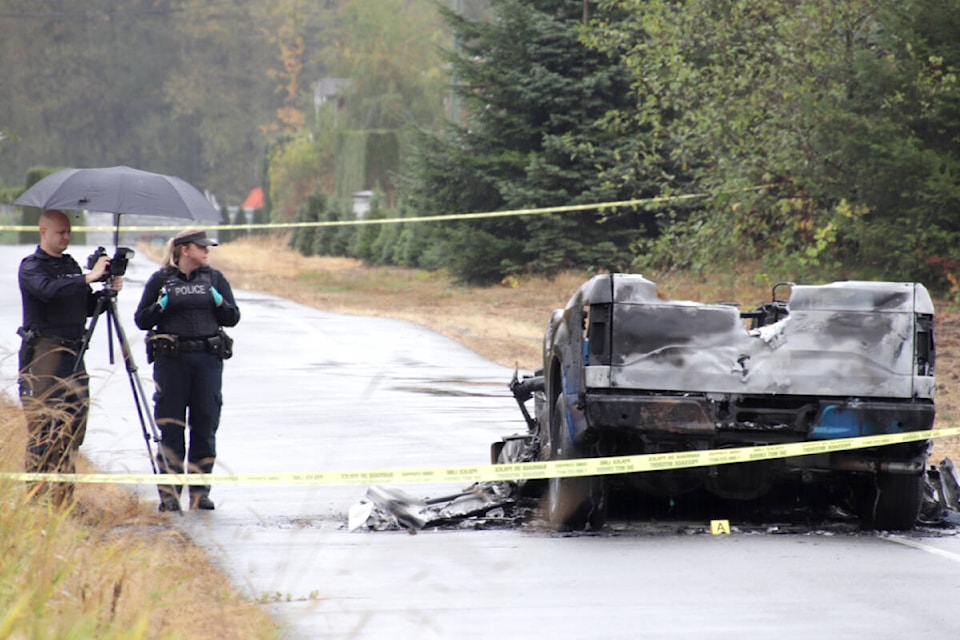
(572, 503)
(893, 504)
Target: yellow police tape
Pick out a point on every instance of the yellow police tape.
(597, 206)
(495, 472)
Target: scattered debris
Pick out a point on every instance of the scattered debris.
(941, 495)
(481, 505)
(488, 505)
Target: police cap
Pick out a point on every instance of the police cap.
(198, 238)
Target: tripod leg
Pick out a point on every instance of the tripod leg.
(139, 396)
(102, 305)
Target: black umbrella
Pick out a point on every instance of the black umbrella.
(120, 190)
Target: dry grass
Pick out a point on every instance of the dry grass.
(108, 567)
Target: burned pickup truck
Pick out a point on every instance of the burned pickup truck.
(627, 372)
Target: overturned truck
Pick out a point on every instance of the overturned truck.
(627, 372)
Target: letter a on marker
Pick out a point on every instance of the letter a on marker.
(719, 526)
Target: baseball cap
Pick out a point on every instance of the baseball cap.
(198, 238)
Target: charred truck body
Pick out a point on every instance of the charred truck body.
(626, 372)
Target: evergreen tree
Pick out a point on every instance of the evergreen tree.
(304, 239)
(366, 235)
(895, 144)
(533, 97)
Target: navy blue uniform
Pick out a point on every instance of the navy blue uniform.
(56, 298)
(188, 365)
(53, 382)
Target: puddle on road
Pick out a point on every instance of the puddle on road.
(437, 391)
(455, 387)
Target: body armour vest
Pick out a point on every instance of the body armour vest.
(66, 317)
(190, 306)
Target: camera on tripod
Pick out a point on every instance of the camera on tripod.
(118, 264)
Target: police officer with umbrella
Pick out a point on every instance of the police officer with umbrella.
(57, 300)
(184, 307)
(120, 190)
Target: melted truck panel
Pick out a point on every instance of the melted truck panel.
(843, 339)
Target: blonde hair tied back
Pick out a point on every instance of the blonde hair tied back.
(171, 254)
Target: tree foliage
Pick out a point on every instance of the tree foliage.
(218, 87)
(818, 126)
(75, 88)
(820, 136)
(295, 165)
(293, 29)
(390, 52)
(527, 133)
(175, 86)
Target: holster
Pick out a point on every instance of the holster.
(159, 343)
(27, 347)
(221, 345)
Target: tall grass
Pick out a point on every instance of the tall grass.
(105, 566)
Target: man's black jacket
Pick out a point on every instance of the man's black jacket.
(56, 298)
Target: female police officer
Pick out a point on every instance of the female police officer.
(188, 303)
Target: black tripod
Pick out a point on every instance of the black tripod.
(107, 303)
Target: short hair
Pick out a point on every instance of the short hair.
(52, 214)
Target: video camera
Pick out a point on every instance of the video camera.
(118, 264)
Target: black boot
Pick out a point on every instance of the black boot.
(201, 501)
(169, 494)
(169, 498)
(200, 494)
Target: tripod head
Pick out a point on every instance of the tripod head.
(108, 292)
(118, 263)
(107, 298)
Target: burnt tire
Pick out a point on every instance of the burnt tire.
(572, 504)
(893, 502)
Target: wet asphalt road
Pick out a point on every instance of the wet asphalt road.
(310, 391)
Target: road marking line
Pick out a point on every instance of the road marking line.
(949, 555)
